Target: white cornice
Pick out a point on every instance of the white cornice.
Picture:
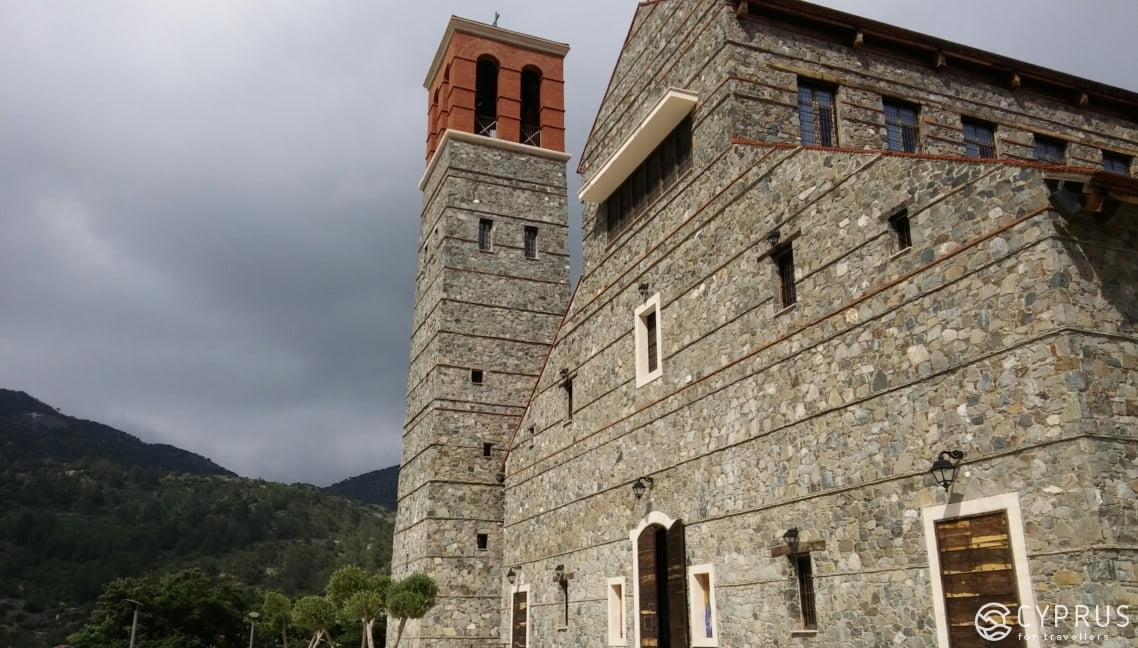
(664, 116)
(489, 32)
(491, 142)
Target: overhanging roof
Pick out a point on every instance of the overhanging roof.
(664, 116)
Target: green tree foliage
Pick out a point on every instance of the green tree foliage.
(277, 609)
(316, 615)
(410, 598)
(360, 597)
(185, 609)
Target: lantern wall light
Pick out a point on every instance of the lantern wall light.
(946, 466)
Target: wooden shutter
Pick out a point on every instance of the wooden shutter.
(677, 587)
(649, 589)
(521, 612)
(976, 568)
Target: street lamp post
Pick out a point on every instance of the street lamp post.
(134, 624)
(252, 625)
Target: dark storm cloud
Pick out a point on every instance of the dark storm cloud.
(209, 213)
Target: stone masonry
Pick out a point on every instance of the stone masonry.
(1005, 330)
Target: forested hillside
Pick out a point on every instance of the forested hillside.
(75, 520)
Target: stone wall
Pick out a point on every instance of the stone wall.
(1004, 331)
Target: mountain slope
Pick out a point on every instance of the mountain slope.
(375, 487)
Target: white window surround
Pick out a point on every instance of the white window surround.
(617, 623)
(698, 623)
(659, 519)
(668, 112)
(1007, 502)
(640, 335)
(529, 606)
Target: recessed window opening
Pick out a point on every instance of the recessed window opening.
(486, 97)
(659, 171)
(616, 623)
(979, 139)
(476, 376)
(899, 222)
(529, 242)
(485, 235)
(805, 574)
(483, 540)
(784, 260)
(531, 106)
(1115, 163)
(817, 118)
(647, 338)
(564, 603)
(702, 605)
(487, 449)
(568, 387)
(1050, 150)
(901, 126)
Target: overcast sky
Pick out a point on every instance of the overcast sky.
(208, 209)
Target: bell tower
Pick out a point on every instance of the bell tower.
(491, 289)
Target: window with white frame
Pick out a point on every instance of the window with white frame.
(649, 356)
(701, 606)
(956, 535)
(617, 625)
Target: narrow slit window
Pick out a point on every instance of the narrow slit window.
(483, 541)
(979, 139)
(485, 234)
(901, 133)
(805, 573)
(701, 606)
(899, 222)
(529, 242)
(476, 376)
(647, 340)
(784, 260)
(817, 118)
(568, 387)
(487, 449)
(616, 623)
(1115, 163)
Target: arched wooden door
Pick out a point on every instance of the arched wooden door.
(662, 568)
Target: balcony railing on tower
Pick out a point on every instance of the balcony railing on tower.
(531, 134)
(486, 125)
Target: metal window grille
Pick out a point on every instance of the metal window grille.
(531, 135)
(816, 115)
(805, 574)
(659, 171)
(979, 140)
(485, 234)
(785, 262)
(1115, 163)
(1051, 151)
(900, 225)
(901, 126)
(651, 340)
(486, 125)
(529, 242)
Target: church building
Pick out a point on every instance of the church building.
(851, 362)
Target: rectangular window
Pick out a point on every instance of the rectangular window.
(784, 260)
(901, 126)
(530, 242)
(568, 387)
(647, 338)
(660, 170)
(616, 623)
(976, 569)
(804, 570)
(1050, 150)
(899, 222)
(487, 449)
(979, 139)
(483, 540)
(1115, 163)
(476, 376)
(817, 118)
(701, 606)
(485, 234)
